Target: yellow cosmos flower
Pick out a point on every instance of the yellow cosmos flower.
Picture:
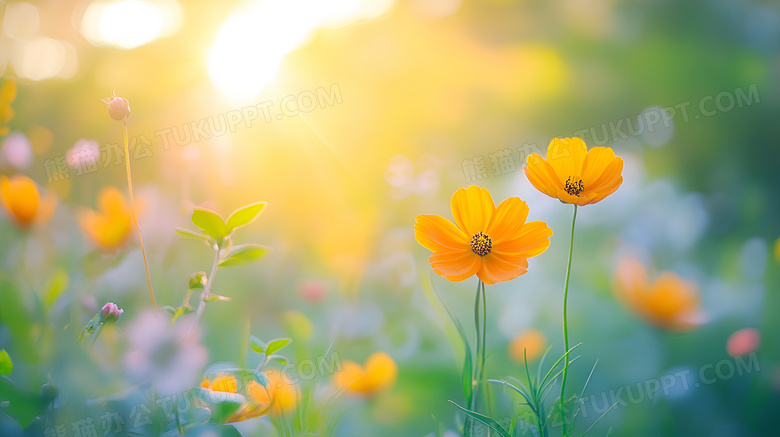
(111, 226)
(669, 302)
(285, 394)
(23, 201)
(574, 174)
(529, 344)
(379, 373)
(492, 242)
(257, 403)
(7, 95)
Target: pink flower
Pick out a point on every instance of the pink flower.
(110, 313)
(743, 342)
(83, 153)
(118, 107)
(312, 290)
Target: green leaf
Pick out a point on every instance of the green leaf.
(281, 359)
(55, 286)
(6, 365)
(180, 311)
(211, 223)
(90, 327)
(245, 215)
(491, 423)
(184, 232)
(277, 345)
(214, 297)
(244, 254)
(257, 345)
(224, 405)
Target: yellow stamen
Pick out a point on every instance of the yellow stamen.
(481, 244)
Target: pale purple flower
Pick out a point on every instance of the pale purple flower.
(83, 153)
(168, 356)
(17, 151)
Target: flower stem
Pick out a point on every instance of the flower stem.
(135, 219)
(565, 321)
(207, 290)
(479, 362)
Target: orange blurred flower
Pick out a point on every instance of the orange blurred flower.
(379, 373)
(668, 302)
(530, 344)
(285, 394)
(492, 242)
(22, 199)
(110, 226)
(574, 174)
(7, 95)
(257, 401)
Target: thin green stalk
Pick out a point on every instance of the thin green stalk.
(476, 376)
(135, 220)
(207, 290)
(565, 321)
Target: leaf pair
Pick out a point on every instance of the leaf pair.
(213, 225)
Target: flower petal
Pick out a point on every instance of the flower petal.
(46, 208)
(532, 240)
(542, 176)
(438, 234)
(609, 181)
(501, 267)
(596, 161)
(566, 156)
(456, 266)
(508, 220)
(472, 209)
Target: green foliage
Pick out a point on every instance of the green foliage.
(6, 365)
(244, 254)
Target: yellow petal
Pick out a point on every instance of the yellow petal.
(46, 208)
(508, 220)
(566, 156)
(532, 240)
(438, 234)
(381, 371)
(21, 198)
(501, 267)
(529, 344)
(596, 162)
(351, 373)
(542, 176)
(472, 209)
(455, 266)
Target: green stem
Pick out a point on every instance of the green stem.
(565, 321)
(207, 290)
(135, 219)
(476, 376)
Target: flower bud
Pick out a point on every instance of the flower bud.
(118, 107)
(110, 313)
(198, 280)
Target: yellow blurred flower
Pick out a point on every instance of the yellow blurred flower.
(110, 226)
(669, 302)
(7, 95)
(285, 394)
(574, 174)
(257, 401)
(492, 242)
(379, 373)
(531, 343)
(22, 199)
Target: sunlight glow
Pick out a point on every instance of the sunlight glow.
(254, 39)
(127, 24)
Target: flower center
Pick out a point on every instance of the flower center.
(574, 187)
(481, 244)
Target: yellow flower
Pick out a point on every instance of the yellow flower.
(285, 394)
(7, 95)
(111, 226)
(529, 344)
(492, 242)
(668, 302)
(23, 201)
(379, 374)
(257, 401)
(574, 174)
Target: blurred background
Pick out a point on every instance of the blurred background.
(352, 117)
